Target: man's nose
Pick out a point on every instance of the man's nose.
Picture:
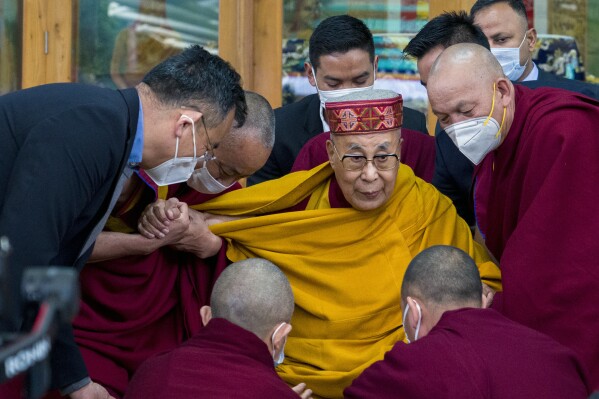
(369, 172)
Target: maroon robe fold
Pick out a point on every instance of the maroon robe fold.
(475, 353)
(417, 151)
(222, 361)
(137, 306)
(536, 203)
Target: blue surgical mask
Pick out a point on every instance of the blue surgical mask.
(509, 59)
(279, 360)
(177, 169)
(405, 313)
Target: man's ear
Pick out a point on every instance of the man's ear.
(413, 314)
(188, 118)
(531, 37)
(279, 338)
(310, 73)
(376, 64)
(331, 152)
(205, 314)
(506, 91)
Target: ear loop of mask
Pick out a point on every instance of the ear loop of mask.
(405, 313)
(491, 113)
(193, 135)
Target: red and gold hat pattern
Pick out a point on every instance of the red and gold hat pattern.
(364, 116)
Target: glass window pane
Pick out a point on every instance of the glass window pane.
(393, 23)
(566, 44)
(119, 41)
(10, 50)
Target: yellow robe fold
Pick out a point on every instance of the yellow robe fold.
(345, 266)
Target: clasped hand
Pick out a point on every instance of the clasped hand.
(182, 228)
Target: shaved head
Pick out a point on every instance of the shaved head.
(256, 138)
(259, 123)
(443, 276)
(469, 62)
(253, 294)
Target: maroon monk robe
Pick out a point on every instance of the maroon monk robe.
(536, 202)
(417, 151)
(475, 353)
(222, 361)
(137, 306)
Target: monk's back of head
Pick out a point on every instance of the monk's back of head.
(443, 276)
(253, 294)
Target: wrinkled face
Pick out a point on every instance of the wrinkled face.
(454, 97)
(504, 28)
(217, 133)
(368, 188)
(237, 159)
(343, 70)
(425, 63)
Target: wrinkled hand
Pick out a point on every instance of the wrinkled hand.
(91, 391)
(303, 391)
(198, 239)
(488, 294)
(158, 219)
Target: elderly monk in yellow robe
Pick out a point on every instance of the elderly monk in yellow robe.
(343, 233)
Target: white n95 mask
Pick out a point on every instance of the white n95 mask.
(175, 170)
(477, 137)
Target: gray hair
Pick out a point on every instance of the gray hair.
(443, 275)
(259, 122)
(253, 294)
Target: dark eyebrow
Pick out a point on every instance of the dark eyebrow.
(499, 34)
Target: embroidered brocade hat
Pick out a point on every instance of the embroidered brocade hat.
(365, 112)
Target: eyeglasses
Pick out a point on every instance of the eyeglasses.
(210, 149)
(358, 162)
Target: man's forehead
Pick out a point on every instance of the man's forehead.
(383, 139)
(499, 18)
(353, 63)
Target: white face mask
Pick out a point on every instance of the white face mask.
(509, 58)
(477, 137)
(405, 313)
(331, 95)
(202, 181)
(279, 360)
(175, 170)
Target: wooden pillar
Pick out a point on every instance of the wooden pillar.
(251, 38)
(47, 42)
(437, 8)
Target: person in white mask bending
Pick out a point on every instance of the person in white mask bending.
(458, 349)
(116, 286)
(342, 61)
(535, 155)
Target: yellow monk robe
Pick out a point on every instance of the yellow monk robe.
(345, 266)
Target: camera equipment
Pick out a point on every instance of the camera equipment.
(51, 295)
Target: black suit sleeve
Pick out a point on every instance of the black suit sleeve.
(414, 120)
(60, 178)
(453, 175)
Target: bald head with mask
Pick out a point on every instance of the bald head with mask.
(438, 279)
(472, 98)
(256, 296)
